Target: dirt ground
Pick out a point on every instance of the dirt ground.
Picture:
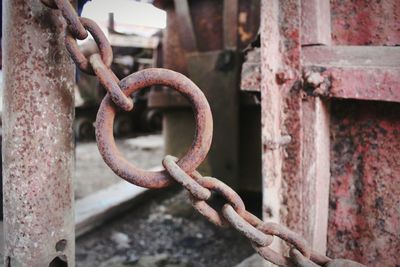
(163, 230)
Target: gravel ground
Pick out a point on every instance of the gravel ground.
(162, 231)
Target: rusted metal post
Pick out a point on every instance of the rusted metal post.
(38, 142)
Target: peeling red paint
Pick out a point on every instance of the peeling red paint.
(365, 22)
(364, 221)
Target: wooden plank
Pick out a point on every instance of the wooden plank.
(95, 209)
(315, 22)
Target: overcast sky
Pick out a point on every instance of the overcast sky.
(126, 12)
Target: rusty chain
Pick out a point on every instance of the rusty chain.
(183, 171)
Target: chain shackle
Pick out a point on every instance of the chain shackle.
(189, 183)
(102, 43)
(196, 153)
(110, 82)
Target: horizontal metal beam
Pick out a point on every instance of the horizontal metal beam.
(349, 72)
(351, 56)
(356, 72)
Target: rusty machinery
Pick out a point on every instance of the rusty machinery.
(204, 40)
(52, 111)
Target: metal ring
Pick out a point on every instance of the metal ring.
(244, 227)
(184, 179)
(101, 40)
(221, 188)
(110, 82)
(196, 153)
(73, 20)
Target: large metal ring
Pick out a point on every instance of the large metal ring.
(102, 43)
(196, 153)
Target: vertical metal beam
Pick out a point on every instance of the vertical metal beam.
(315, 30)
(315, 22)
(38, 142)
(230, 23)
(271, 109)
(295, 175)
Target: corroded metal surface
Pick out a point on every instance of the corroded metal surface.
(251, 71)
(188, 182)
(234, 213)
(207, 19)
(195, 155)
(75, 24)
(315, 22)
(367, 73)
(365, 22)
(102, 43)
(364, 221)
(109, 80)
(37, 136)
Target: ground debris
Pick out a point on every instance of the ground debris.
(165, 231)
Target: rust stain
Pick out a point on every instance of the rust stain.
(364, 221)
(365, 22)
(38, 148)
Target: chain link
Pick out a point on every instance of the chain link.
(109, 81)
(183, 171)
(74, 22)
(101, 41)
